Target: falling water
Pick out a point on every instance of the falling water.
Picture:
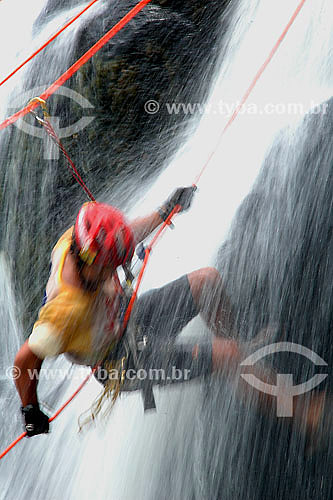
(263, 199)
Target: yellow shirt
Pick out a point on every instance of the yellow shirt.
(80, 323)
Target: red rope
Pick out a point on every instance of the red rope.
(251, 87)
(69, 400)
(176, 209)
(57, 413)
(14, 443)
(148, 249)
(48, 42)
(49, 129)
(80, 62)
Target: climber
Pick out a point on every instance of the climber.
(82, 311)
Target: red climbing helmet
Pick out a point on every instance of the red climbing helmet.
(102, 235)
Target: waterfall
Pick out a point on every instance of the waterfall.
(258, 201)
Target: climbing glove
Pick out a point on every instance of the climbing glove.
(181, 196)
(36, 422)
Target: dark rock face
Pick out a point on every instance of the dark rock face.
(281, 242)
(278, 268)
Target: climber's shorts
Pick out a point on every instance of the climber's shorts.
(157, 319)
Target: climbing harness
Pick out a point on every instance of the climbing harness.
(43, 97)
